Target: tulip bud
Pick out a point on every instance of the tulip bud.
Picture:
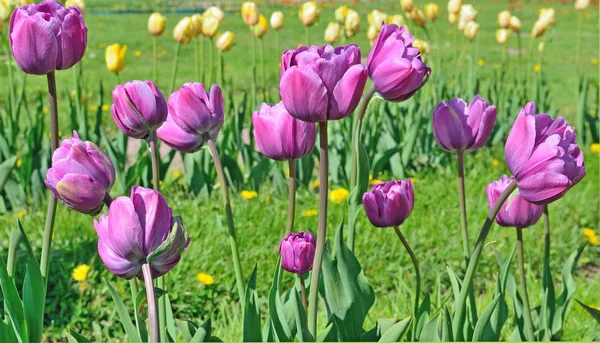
(581, 5)
(515, 24)
(332, 32)
(215, 12)
(504, 19)
(156, 24)
(372, 33)
(422, 46)
(547, 16)
(432, 10)
(140, 229)
(196, 24)
(352, 24)
(261, 29)
(81, 175)
(375, 18)
(115, 57)
(396, 19)
(453, 18)
(225, 41)
(538, 29)
(454, 6)
(309, 13)
(277, 20)
(471, 30)
(502, 35)
(418, 17)
(210, 26)
(297, 252)
(341, 13)
(139, 107)
(6, 9)
(389, 204)
(68, 3)
(184, 30)
(467, 13)
(250, 13)
(407, 5)
(516, 211)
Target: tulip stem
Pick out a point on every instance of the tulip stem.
(277, 46)
(526, 309)
(237, 266)
(222, 69)
(291, 197)
(15, 239)
(459, 318)
(212, 62)
(197, 59)
(264, 73)
(11, 88)
(175, 63)
(152, 314)
(579, 28)
(134, 291)
(463, 205)
(107, 200)
(254, 102)
(154, 60)
(303, 292)
(418, 281)
(202, 54)
(322, 229)
(307, 33)
(52, 202)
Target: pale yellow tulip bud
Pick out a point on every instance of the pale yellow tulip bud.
(502, 36)
(68, 3)
(261, 28)
(471, 30)
(225, 41)
(432, 10)
(197, 24)
(214, 11)
(515, 24)
(548, 16)
(581, 5)
(454, 6)
(352, 24)
(309, 13)
(184, 30)
(504, 19)
(467, 13)
(372, 32)
(332, 32)
(341, 13)
(250, 13)
(156, 24)
(407, 5)
(423, 47)
(210, 26)
(396, 19)
(418, 17)
(538, 29)
(376, 18)
(115, 57)
(277, 20)
(453, 18)
(6, 9)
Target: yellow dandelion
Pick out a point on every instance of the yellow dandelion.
(310, 213)
(176, 175)
(248, 194)
(373, 182)
(105, 107)
(537, 68)
(80, 272)
(594, 240)
(315, 184)
(594, 61)
(138, 53)
(19, 163)
(205, 279)
(481, 63)
(339, 195)
(587, 232)
(45, 110)
(21, 214)
(595, 148)
(495, 163)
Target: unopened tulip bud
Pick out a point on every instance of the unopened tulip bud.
(297, 252)
(432, 10)
(516, 211)
(389, 204)
(332, 32)
(423, 47)
(352, 25)
(197, 24)
(372, 33)
(502, 35)
(471, 30)
(538, 29)
(341, 13)
(139, 107)
(309, 13)
(250, 13)
(184, 30)
(215, 12)
(547, 16)
(504, 19)
(225, 41)
(277, 20)
(115, 57)
(156, 24)
(68, 3)
(418, 17)
(210, 26)
(407, 5)
(453, 18)
(261, 28)
(467, 13)
(396, 19)
(515, 24)
(375, 18)
(454, 6)
(581, 5)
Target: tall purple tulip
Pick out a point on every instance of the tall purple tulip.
(194, 116)
(297, 252)
(81, 175)
(516, 211)
(395, 66)
(139, 106)
(140, 229)
(543, 156)
(47, 36)
(388, 204)
(280, 136)
(458, 127)
(322, 83)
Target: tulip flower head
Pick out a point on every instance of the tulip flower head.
(454, 6)
(261, 28)
(389, 204)
(376, 18)
(581, 5)
(156, 24)
(372, 32)
(140, 229)
(68, 3)
(322, 83)
(418, 17)
(341, 13)
(81, 175)
(407, 5)
(309, 13)
(423, 47)
(504, 19)
(515, 24)
(332, 33)
(277, 20)
(115, 57)
(6, 9)
(396, 19)
(196, 24)
(453, 18)
(214, 12)
(250, 13)
(543, 156)
(297, 252)
(467, 14)
(352, 23)
(516, 211)
(46, 37)
(225, 41)
(210, 26)
(471, 30)
(502, 35)
(184, 31)
(432, 10)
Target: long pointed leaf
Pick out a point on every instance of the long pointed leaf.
(130, 329)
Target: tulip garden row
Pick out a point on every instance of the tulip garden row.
(141, 236)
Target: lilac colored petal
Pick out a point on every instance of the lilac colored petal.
(521, 139)
(347, 92)
(304, 95)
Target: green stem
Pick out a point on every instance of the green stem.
(307, 35)
(221, 68)
(291, 196)
(134, 292)
(11, 88)
(196, 58)
(212, 62)
(264, 73)
(154, 60)
(237, 266)
(579, 34)
(277, 46)
(175, 64)
(418, 281)
(202, 54)
(52, 202)
(313, 297)
(15, 239)
(254, 63)
(459, 318)
(303, 292)
(526, 309)
(152, 315)
(463, 204)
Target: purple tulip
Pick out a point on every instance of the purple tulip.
(140, 229)
(47, 36)
(280, 136)
(81, 175)
(457, 127)
(139, 106)
(543, 156)
(322, 83)
(388, 204)
(194, 117)
(297, 252)
(395, 66)
(516, 211)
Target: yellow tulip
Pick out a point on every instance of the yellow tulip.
(332, 32)
(68, 3)
(454, 6)
(432, 11)
(352, 24)
(184, 30)
(539, 28)
(372, 33)
(467, 14)
(515, 24)
(261, 28)
(407, 5)
(471, 30)
(502, 35)
(277, 20)
(115, 57)
(452, 18)
(396, 19)
(547, 15)
(156, 24)
(197, 24)
(504, 19)
(250, 13)
(341, 13)
(423, 47)
(210, 26)
(309, 13)
(581, 5)
(6, 9)
(418, 17)
(225, 41)
(376, 18)
(214, 11)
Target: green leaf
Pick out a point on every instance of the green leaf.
(5, 168)
(446, 325)
(395, 333)
(276, 314)
(484, 320)
(203, 332)
(301, 320)
(568, 290)
(187, 329)
(500, 313)
(74, 337)
(141, 300)
(170, 320)
(175, 242)
(13, 303)
(252, 331)
(362, 183)
(130, 329)
(592, 311)
(423, 314)
(431, 330)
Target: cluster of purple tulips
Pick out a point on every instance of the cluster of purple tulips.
(140, 236)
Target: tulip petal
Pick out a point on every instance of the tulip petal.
(155, 216)
(178, 138)
(543, 188)
(521, 139)
(81, 192)
(116, 264)
(347, 92)
(34, 45)
(125, 231)
(304, 95)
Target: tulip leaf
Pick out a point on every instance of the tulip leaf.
(141, 300)
(203, 332)
(130, 329)
(277, 317)
(446, 325)
(175, 242)
(5, 168)
(431, 330)
(395, 333)
(592, 311)
(13, 303)
(485, 317)
(500, 313)
(187, 329)
(252, 331)
(301, 319)
(423, 314)
(74, 337)
(362, 183)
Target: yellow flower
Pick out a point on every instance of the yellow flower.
(375, 18)
(537, 68)
(80, 272)
(310, 213)
(352, 23)
(407, 5)
(21, 214)
(471, 30)
(423, 47)
(205, 279)
(138, 53)
(452, 19)
(515, 24)
(45, 110)
(261, 28)
(309, 13)
(418, 17)
(176, 175)
(593, 240)
(504, 19)
(315, 184)
(214, 12)
(587, 232)
(184, 30)
(495, 163)
(339, 195)
(432, 11)
(412, 180)
(341, 13)
(595, 147)
(332, 32)
(374, 182)
(277, 20)
(225, 41)
(481, 63)
(250, 13)
(68, 3)
(248, 194)
(105, 107)
(454, 6)
(156, 24)
(210, 26)
(502, 35)
(581, 5)
(594, 61)
(115, 57)
(19, 163)
(397, 19)
(197, 24)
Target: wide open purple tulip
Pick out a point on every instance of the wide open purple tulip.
(280, 136)
(388, 204)
(140, 229)
(81, 175)
(395, 66)
(322, 83)
(516, 211)
(457, 126)
(543, 156)
(297, 252)
(47, 36)
(194, 117)
(139, 106)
